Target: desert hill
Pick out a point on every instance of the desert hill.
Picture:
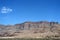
(31, 29)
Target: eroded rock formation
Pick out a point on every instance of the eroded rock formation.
(30, 27)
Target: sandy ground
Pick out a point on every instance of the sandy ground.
(29, 34)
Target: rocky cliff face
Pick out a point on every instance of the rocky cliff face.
(33, 27)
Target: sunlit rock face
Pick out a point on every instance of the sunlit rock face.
(40, 26)
(33, 27)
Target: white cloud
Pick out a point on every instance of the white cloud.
(6, 10)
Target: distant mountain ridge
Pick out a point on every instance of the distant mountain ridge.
(51, 28)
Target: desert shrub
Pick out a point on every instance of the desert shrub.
(30, 39)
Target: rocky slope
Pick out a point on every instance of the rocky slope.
(31, 29)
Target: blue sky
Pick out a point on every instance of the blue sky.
(30, 10)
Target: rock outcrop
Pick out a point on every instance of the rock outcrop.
(48, 28)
